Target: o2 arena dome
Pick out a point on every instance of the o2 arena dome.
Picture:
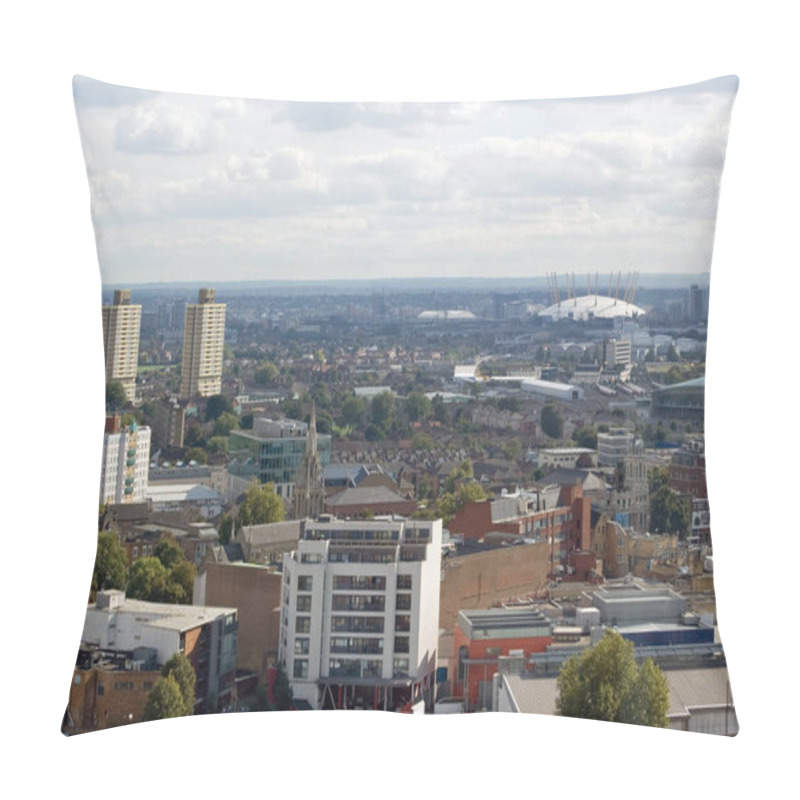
(593, 304)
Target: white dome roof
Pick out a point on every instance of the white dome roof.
(589, 306)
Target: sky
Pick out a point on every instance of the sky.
(199, 188)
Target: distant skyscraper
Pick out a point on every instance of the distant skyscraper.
(203, 342)
(121, 324)
(698, 304)
(309, 491)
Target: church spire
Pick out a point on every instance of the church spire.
(309, 491)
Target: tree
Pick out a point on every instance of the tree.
(169, 552)
(147, 580)
(282, 690)
(110, 564)
(261, 505)
(382, 410)
(224, 424)
(217, 446)
(439, 409)
(585, 436)
(181, 669)
(265, 374)
(552, 421)
(604, 683)
(225, 529)
(115, 396)
(216, 405)
(418, 407)
(669, 513)
(352, 411)
(165, 700)
(511, 449)
(197, 454)
(180, 582)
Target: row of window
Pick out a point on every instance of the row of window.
(402, 624)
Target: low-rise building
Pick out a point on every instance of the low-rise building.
(109, 688)
(482, 637)
(205, 635)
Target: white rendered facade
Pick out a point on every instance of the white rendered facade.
(613, 446)
(203, 346)
(125, 466)
(360, 613)
(121, 326)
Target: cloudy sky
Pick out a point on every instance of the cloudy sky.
(207, 189)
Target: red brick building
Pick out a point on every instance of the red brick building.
(561, 517)
(109, 688)
(482, 637)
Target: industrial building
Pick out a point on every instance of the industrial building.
(680, 401)
(551, 389)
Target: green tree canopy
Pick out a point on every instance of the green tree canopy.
(669, 513)
(585, 436)
(147, 579)
(265, 374)
(217, 446)
(382, 409)
(216, 405)
(551, 420)
(261, 505)
(181, 669)
(605, 683)
(110, 564)
(169, 552)
(115, 396)
(165, 700)
(180, 582)
(282, 690)
(418, 407)
(224, 424)
(352, 411)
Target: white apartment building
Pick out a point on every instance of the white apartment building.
(360, 614)
(613, 446)
(126, 463)
(564, 457)
(616, 353)
(203, 346)
(121, 326)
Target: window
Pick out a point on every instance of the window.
(304, 602)
(304, 583)
(301, 646)
(400, 667)
(401, 644)
(302, 625)
(403, 581)
(402, 622)
(300, 668)
(403, 602)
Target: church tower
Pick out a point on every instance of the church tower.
(309, 489)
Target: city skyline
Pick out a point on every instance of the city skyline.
(205, 187)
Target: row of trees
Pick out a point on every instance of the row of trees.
(165, 577)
